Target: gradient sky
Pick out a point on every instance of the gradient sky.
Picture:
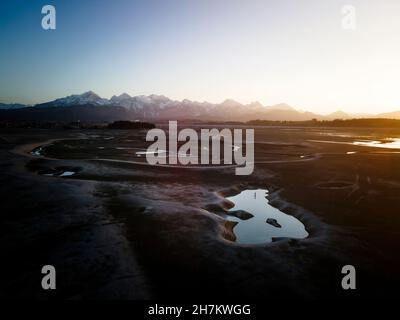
(292, 51)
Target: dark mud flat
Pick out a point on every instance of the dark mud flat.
(125, 229)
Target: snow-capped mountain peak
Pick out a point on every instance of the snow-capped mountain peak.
(281, 106)
(88, 97)
(255, 105)
(122, 96)
(230, 103)
(161, 107)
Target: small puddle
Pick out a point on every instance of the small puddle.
(267, 222)
(37, 152)
(59, 171)
(67, 174)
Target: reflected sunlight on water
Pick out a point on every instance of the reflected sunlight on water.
(387, 143)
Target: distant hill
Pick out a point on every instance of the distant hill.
(130, 125)
(91, 107)
(84, 113)
(390, 115)
(12, 106)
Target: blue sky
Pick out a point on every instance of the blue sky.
(272, 51)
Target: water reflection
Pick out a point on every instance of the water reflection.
(59, 171)
(387, 143)
(37, 151)
(267, 222)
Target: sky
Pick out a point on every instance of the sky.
(291, 51)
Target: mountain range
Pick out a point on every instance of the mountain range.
(159, 107)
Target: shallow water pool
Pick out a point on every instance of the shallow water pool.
(267, 222)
